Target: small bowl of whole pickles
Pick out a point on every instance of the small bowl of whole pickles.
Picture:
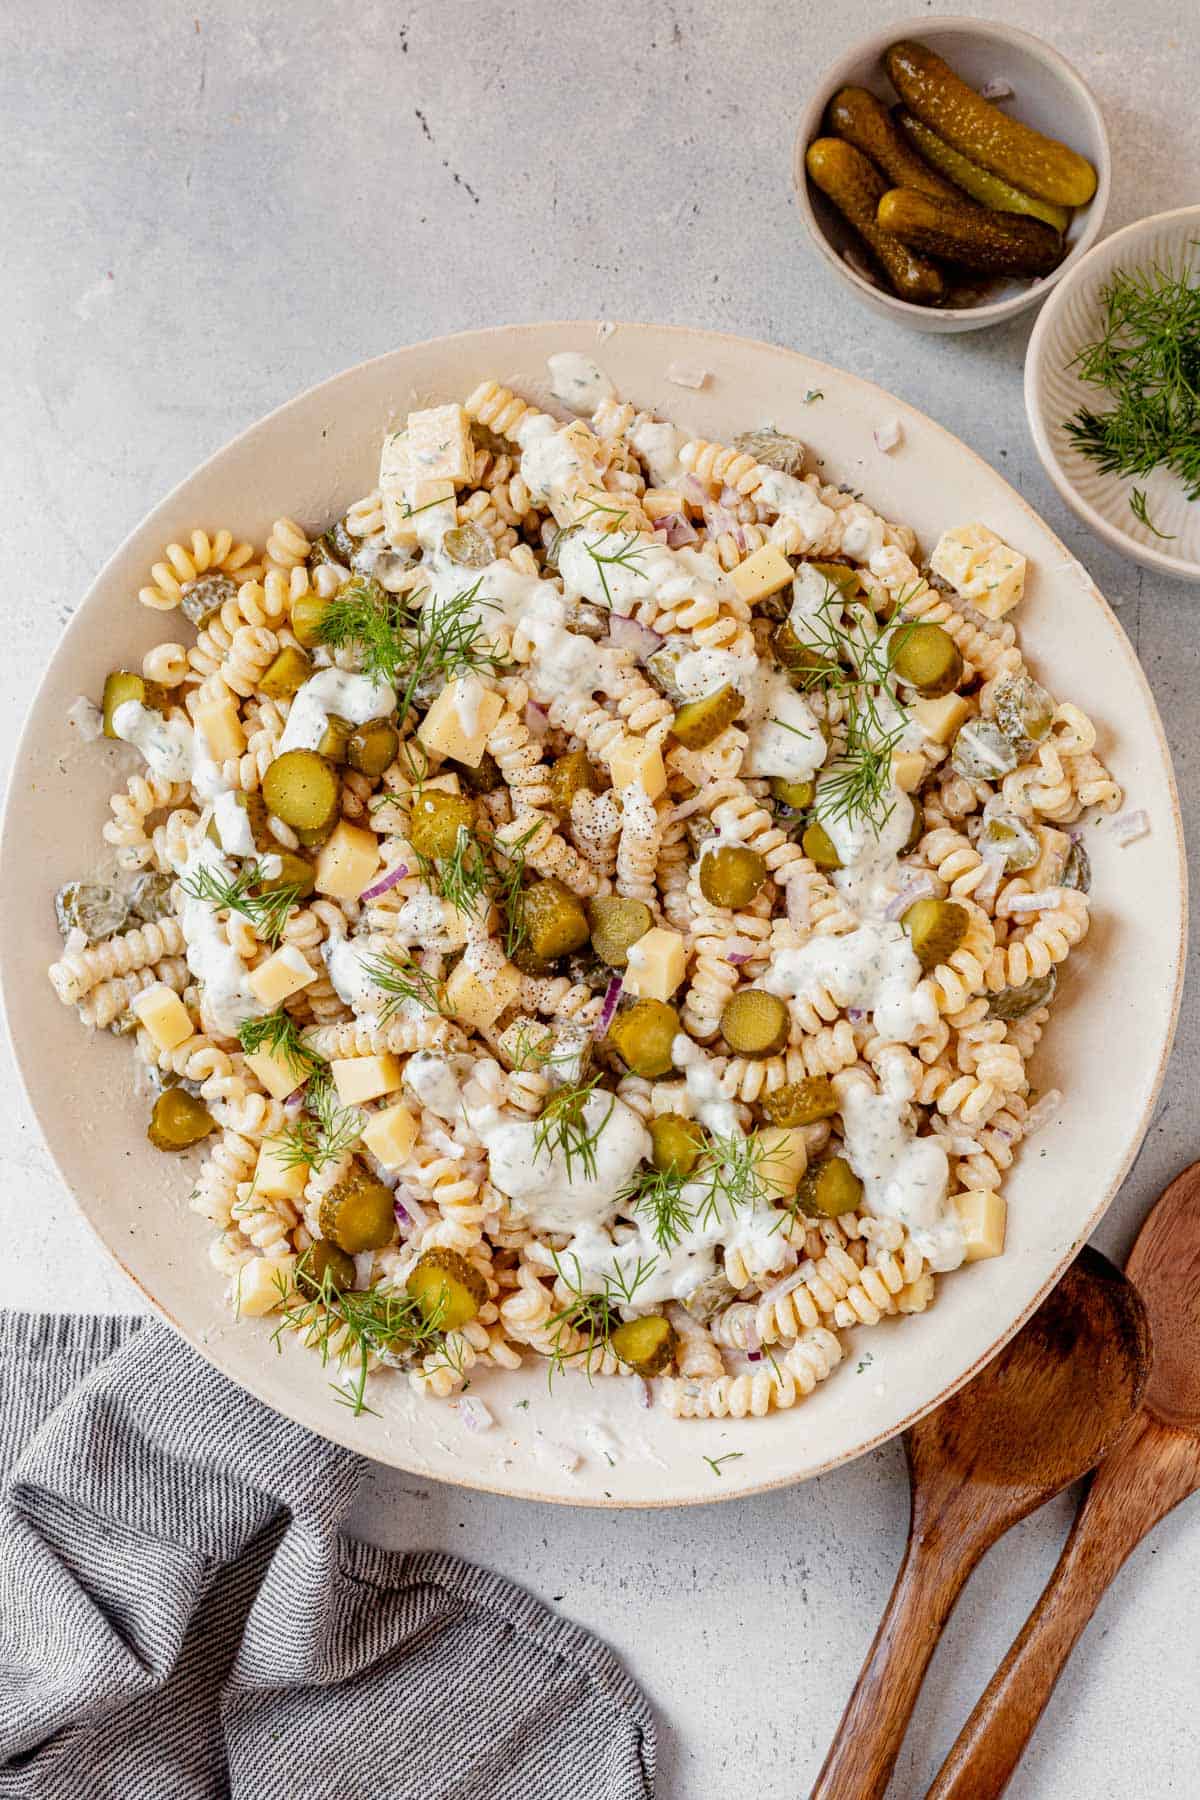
(952, 170)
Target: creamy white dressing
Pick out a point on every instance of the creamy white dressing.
(784, 737)
(431, 1079)
(699, 673)
(227, 997)
(579, 382)
(870, 875)
(166, 744)
(233, 825)
(796, 503)
(564, 661)
(347, 960)
(551, 460)
(715, 1111)
(338, 691)
(873, 968)
(904, 1177)
(548, 1194)
(658, 443)
(647, 570)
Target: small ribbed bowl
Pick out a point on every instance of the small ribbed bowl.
(1047, 93)
(1054, 393)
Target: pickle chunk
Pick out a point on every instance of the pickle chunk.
(800, 1102)
(996, 243)
(324, 1269)
(616, 924)
(642, 1037)
(91, 907)
(357, 1213)
(818, 846)
(675, 1144)
(437, 819)
(554, 919)
(287, 674)
(570, 774)
(302, 788)
(126, 684)
(935, 928)
(927, 658)
(1015, 1002)
(699, 722)
(845, 176)
(755, 1023)
(829, 1189)
(645, 1345)
(179, 1120)
(372, 748)
(731, 875)
(448, 1290)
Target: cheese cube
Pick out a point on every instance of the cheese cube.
(439, 445)
(282, 974)
(1048, 870)
(660, 503)
(781, 1161)
(634, 762)
(479, 1000)
(262, 1285)
(390, 1136)
(983, 1216)
(656, 964)
(416, 509)
(275, 1073)
(460, 719)
(941, 719)
(218, 724)
(346, 862)
(980, 567)
(275, 1176)
(164, 1015)
(764, 573)
(361, 1078)
(908, 768)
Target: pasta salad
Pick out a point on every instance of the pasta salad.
(593, 904)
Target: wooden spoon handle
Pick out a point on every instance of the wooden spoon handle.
(864, 1750)
(1151, 1469)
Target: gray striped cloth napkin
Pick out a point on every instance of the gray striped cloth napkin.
(180, 1615)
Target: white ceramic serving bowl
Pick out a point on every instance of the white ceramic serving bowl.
(1054, 393)
(1047, 93)
(1106, 1050)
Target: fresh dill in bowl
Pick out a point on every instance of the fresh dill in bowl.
(1147, 357)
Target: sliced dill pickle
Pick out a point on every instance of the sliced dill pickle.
(526, 958)
(203, 598)
(731, 875)
(804, 662)
(302, 788)
(675, 1143)
(308, 611)
(485, 778)
(371, 748)
(829, 1189)
(324, 1269)
(709, 1297)
(817, 845)
(864, 121)
(935, 929)
(980, 183)
(800, 1102)
(1024, 712)
(1077, 870)
(699, 722)
(448, 1290)
(1040, 165)
(570, 774)
(839, 575)
(926, 658)
(755, 1023)
(150, 896)
(662, 664)
(295, 871)
(982, 752)
(615, 925)
(961, 232)
(335, 738)
(773, 449)
(437, 819)
(798, 796)
(855, 186)
(284, 676)
(555, 921)
(126, 684)
(469, 546)
(1015, 1002)
(312, 838)
(179, 1120)
(642, 1037)
(645, 1345)
(357, 1213)
(92, 907)
(1011, 837)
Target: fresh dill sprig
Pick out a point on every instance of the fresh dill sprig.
(324, 1132)
(737, 1176)
(858, 783)
(279, 1035)
(659, 1194)
(594, 509)
(509, 887)
(535, 1045)
(563, 1126)
(1147, 357)
(1137, 506)
(627, 554)
(351, 1328)
(449, 640)
(463, 877)
(714, 1462)
(364, 617)
(398, 643)
(267, 912)
(402, 979)
(591, 1313)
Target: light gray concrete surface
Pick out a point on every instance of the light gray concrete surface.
(207, 208)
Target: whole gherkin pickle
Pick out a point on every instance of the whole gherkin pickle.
(855, 186)
(977, 182)
(993, 243)
(864, 121)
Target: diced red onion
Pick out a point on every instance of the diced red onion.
(679, 531)
(537, 719)
(1130, 826)
(385, 882)
(294, 1104)
(406, 1202)
(641, 1392)
(753, 1341)
(799, 901)
(695, 490)
(737, 957)
(627, 634)
(686, 375)
(919, 886)
(607, 1011)
(87, 719)
(1044, 901)
(888, 436)
(855, 1014)
(1043, 1112)
(740, 950)
(754, 1356)
(1002, 1131)
(475, 1414)
(996, 88)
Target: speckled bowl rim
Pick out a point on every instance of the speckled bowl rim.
(1149, 555)
(995, 312)
(334, 1422)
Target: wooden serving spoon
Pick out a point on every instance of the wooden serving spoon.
(1039, 1416)
(1154, 1467)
